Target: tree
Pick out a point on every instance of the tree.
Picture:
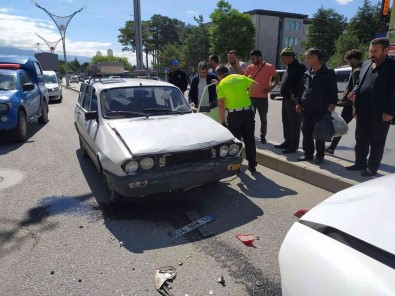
(327, 25)
(169, 53)
(229, 30)
(366, 22)
(345, 43)
(196, 44)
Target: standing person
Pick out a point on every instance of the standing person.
(199, 82)
(374, 98)
(178, 77)
(233, 94)
(262, 72)
(353, 59)
(318, 95)
(235, 66)
(290, 88)
(213, 62)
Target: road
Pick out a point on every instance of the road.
(60, 236)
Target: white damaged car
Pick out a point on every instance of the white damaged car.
(144, 138)
(345, 245)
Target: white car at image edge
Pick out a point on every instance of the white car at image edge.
(345, 245)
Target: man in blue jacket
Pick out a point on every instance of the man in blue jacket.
(199, 82)
(374, 98)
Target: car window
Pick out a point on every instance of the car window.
(7, 82)
(50, 78)
(82, 93)
(142, 99)
(86, 104)
(24, 78)
(342, 76)
(94, 101)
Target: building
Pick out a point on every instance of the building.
(276, 30)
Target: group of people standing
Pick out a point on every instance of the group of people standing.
(308, 94)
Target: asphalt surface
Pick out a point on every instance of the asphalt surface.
(59, 235)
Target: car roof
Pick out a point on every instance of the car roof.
(343, 69)
(49, 72)
(365, 211)
(107, 83)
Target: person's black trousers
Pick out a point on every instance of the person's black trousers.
(369, 133)
(291, 124)
(309, 120)
(347, 116)
(242, 125)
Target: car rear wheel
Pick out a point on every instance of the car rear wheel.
(44, 114)
(20, 132)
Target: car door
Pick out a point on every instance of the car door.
(31, 98)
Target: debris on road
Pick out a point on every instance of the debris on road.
(221, 280)
(300, 213)
(246, 239)
(121, 244)
(211, 292)
(192, 226)
(163, 276)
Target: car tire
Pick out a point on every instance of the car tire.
(61, 98)
(83, 151)
(20, 131)
(115, 197)
(44, 114)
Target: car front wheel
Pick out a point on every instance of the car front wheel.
(20, 132)
(115, 197)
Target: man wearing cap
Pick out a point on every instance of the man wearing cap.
(233, 93)
(262, 72)
(290, 87)
(178, 77)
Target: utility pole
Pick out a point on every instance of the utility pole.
(138, 36)
(61, 22)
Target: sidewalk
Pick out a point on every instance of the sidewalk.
(331, 175)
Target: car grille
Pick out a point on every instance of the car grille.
(187, 157)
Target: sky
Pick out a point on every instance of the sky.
(95, 28)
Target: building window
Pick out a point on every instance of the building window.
(292, 25)
(293, 41)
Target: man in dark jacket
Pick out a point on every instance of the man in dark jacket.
(199, 82)
(178, 77)
(354, 59)
(318, 95)
(290, 88)
(374, 98)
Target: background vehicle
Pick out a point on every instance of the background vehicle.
(23, 96)
(74, 78)
(53, 86)
(342, 76)
(275, 93)
(343, 246)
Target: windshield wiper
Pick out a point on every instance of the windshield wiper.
(127, 113)
(165, 110)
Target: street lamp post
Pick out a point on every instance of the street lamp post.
(61, 22)
(138, 36)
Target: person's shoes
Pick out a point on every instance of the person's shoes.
(288, 151)
(329, 151)
(319, 160)
(263, 140)
(305, 158)
(355, 167)
(251, 166)
(368, 173)
(281, 146)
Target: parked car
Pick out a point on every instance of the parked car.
(144, 138)
(74, 78)
(275, 93)
(53, 86)
(342, 76)
(114, 76)
(345, 245)
(23, 96)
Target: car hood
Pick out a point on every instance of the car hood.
(162, 134)
(365, 211)
(51, 85)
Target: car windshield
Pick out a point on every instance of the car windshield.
(50, 79)
(142, 101)
(7, 82)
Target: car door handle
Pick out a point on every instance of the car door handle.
(79, 112)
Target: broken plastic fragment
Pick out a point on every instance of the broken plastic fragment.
(211, 292)
(163, 274)
(300, 213)
(221, 280)
(246, 239)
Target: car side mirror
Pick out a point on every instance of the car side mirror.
(204, 108)
(92, 115)
(28, 86)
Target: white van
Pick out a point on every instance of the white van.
(342, 77)
(275, 93)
